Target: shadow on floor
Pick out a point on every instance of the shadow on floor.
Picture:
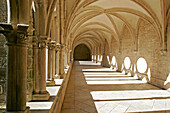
(98, 90)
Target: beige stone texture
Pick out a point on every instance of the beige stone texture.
(128, 45)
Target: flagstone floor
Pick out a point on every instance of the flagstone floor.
(95, 89)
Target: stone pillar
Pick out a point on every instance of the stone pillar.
(16, 67)
(61, 62)
(57, 48)
(66, 65)
(30, 56)
(69, 57)
(96, 54)
(36, 76)
(49, 78)
(56, 66)
(105, 62)
(65, 59)
(51, 64)
(40, 92)
(99, 55)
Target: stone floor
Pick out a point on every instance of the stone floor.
(45, 106)
(94, 89)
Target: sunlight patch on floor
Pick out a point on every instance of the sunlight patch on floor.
(131, 94)
(40, 105)
(96, 89)
(115, 82)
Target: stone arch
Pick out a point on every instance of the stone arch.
(82, 52)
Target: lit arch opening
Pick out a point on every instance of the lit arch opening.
(127, 62)
(141, 65)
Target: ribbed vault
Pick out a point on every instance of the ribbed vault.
(97, 21)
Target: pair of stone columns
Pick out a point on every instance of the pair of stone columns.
(40, 92)
(55, 62)
(60, 63)
(51, 63)
(16, 67)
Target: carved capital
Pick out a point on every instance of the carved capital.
(63, 47)
(15, 36)
(42, 41)
(42, 44)
(58, 46)
(22, 34)
(52, 45)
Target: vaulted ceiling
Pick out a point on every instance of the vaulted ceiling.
(94, 22)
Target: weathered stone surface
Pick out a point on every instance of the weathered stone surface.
(3, 11)
(3, 54)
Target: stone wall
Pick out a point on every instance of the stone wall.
(3, 54)
(3, 11)
(149, 48)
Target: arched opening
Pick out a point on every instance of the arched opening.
(127, 62)
(142, 65)
(82, 53)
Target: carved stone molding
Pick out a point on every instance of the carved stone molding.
(63, 47)
(58, 47)
(52, 45)
(33, 41)
(42, 44)
(42, 41)
(16, 36)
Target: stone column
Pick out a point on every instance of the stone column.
(56, 66)
(105, 62)
(16, 67)
(69, 57)
(66, 58)
(57, 57)
(53, 61)
(96, 55)
(51, 64)
(30, 66)
(61, 62)
(40, 92)
(99, 55)
(36, 89)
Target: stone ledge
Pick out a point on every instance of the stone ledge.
(43, 96)
(50, 83)
(25, 111)
(56, 107)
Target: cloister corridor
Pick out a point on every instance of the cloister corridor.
(84, 56)
(95, 89)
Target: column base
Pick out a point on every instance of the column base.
(27, 110)
(56, 76)
(119, 71)
(62, 76)
(41, 96)
(50, 83)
